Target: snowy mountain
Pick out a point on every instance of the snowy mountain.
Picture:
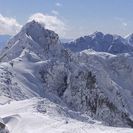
(129, 39)
(102, 43)
(44, 87)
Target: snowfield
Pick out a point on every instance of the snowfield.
(23, 117)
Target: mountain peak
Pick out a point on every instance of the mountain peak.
(32, 24)
(36, 38)
(97, 34)
(39, 34)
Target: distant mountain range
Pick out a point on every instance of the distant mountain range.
(102, 43)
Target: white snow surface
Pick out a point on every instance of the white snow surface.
(23, 117)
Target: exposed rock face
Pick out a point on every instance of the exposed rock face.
(34, 64)
(3, 128)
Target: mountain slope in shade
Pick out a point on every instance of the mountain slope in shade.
(102, 43)
(35, 64)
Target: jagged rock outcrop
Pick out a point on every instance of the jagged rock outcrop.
(3, 128)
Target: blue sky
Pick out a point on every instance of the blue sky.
(78, 17)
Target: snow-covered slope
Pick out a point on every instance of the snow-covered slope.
(102, 43)
(35, 64)
(41, 115)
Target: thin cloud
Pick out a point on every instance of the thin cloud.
(124, 24)
(58, 4)
(50, 22)
(8, 25)
(55, 12)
